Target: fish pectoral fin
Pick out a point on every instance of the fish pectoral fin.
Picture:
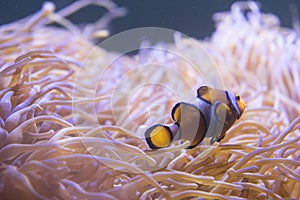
(218, 117)
(219, 110)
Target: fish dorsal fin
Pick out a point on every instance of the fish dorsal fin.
(204, 93)
(211, 95)
(192, 124)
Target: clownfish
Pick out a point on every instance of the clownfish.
(213, 113)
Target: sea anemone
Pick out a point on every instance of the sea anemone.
(62, 137)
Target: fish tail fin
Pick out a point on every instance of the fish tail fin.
(160, 135)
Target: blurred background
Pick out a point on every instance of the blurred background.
(191, 17)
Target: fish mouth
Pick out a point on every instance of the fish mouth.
(241, 106)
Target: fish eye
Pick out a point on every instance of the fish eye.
(237, 97)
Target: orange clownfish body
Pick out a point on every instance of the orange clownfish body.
(211, 116)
